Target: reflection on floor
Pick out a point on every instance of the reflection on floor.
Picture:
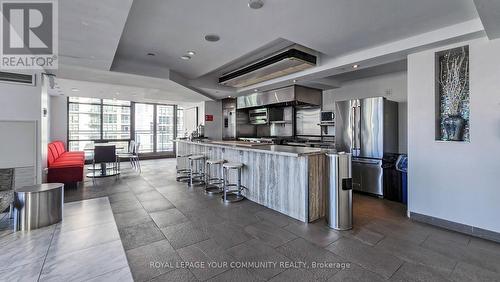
(162, 223)
(84, 246)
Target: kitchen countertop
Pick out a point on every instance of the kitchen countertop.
(262, 148)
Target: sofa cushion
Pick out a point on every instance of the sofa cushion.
(59, 147)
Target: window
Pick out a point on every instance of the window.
(180, 122)
(91, 119)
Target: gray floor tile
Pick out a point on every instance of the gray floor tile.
(442, 234)
(168, 217)
(466, 272)
(484, 245)
(23, 248)
(138, 188)
(257, 251)
(274, 217)
(269, 233)
(237, 274)
(416, 254)
(85, 220)
(207, 252)
(364, 235)
(317, 233)
(152, 260)
(475, 256)
(140, 235)
(184, 234)
(29, 272)
(414, 272)
(227, 235)
(291, 275)
(178, 275)
(124, 196)
(403, 229)
(120, 275)
(304, 251)
(378, 261)
(125, 206)
(65, 242)
(132, 218)
(148, 196)
(356, 274)
(88, 206)
(157, 205)
(84, 264)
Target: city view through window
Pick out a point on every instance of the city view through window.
(153, 126)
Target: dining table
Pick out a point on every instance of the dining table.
(103, 171)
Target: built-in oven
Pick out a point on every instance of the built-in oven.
(327, 117)
(258, 116)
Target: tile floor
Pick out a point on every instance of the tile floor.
(84, 246)
(168, 231)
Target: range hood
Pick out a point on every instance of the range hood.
(294, 95)
(282, 63)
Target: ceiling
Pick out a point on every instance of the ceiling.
(176, 94)
(116, 35)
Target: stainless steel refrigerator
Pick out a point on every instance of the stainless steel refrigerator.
(367, 128)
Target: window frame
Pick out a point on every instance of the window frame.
(132, 128)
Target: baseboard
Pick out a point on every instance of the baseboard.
(458, 227)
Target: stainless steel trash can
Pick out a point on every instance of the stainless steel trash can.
(339, 205)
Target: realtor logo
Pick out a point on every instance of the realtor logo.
(29, 34)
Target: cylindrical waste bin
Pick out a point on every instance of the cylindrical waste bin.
(339, 197)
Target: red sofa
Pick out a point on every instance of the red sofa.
(64, 167)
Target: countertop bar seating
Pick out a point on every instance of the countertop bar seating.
(290, 180)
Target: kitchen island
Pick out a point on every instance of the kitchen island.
(290, 180)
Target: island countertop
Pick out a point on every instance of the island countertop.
(261, 148)
(290, 180)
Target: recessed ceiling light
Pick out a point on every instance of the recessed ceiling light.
(212, 37)
(256, 90)
(355, 66)
(186, 57)
(255, 4)
(75, 89)
(191, 53)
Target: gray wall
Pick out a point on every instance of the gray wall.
(213, 129)
(393, 86)
(58, 118)
(456, 181)
(20, 102)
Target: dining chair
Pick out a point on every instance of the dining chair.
(130, 155)
(105, 154)
(6, 190)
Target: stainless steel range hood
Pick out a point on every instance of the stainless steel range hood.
(280, 64)
(292, 95)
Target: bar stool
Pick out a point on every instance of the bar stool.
(213, 185)
(182, 174)
(234, 195)
(196, 170)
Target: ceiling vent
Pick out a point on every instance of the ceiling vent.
(26, 79)
(280, 64)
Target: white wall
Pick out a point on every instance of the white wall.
(58, 118)
(456, 181)
(21, 102)
(393, 86)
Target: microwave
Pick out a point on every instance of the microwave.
(327, 117)
(258, 116)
